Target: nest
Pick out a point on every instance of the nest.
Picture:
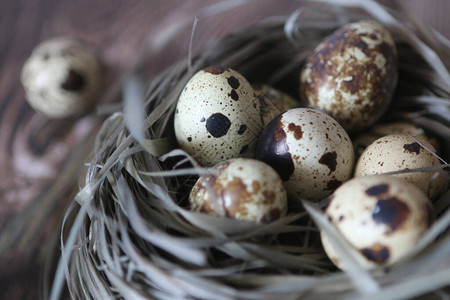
(133, 236)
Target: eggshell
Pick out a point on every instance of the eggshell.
(310, 151)
(272, 102)
(399, 152)
(352, 74)
(381, 216)
(364, 139)
(62, 77)
(240, 188)
(217, 116)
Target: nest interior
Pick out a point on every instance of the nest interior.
(134, 237)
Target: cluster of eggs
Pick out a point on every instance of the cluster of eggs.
(263, 146)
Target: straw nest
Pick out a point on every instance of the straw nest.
(133, 235)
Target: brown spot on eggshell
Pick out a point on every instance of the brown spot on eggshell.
(413, 148)
(256, 186)
(218, 124)
(233, 82)
(333, 184)
(273, 149)
(329, 160)
(297, 130)
(74, 81)
(234, 95)
(377, 189)
(269, 196)
(377, 253)
(235, 196)
(392, 212)
(242, 129)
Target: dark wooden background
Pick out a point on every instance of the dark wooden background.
(35, 150)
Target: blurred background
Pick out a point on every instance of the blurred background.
(41, 158)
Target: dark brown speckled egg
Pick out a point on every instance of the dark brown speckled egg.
(62, 78)
(364, 139)
(399, 152)
(352, 74)
(241, 188)
(382, 217)
(217, 116)
(310, 151)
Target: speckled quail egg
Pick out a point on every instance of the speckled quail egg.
(364, 139)
(310, 151)
(272, 102)
(381, 216)
(352, 74)
(217, 116)
(240, 188)
(62, 77)
(399, 152)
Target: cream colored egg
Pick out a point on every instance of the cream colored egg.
(240, 188)
(404, 128)
(62, 78)
(352, 74)
(382, 218)
(310, 151)
(217, 116)
(401, 152)
(272, 101)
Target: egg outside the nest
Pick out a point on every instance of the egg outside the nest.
(217, 116)
(352, 74)
(241, 188)
(380, 216)
(310, 151)
(62, 78)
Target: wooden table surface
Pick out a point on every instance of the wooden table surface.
(36, 150)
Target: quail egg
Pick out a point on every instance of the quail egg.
(217, 116)
(272, 102)
(400, 152)
(404, 128)
(352, 74)
(381, 216)
(62, 77)
(310, 151)
(240, 188)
